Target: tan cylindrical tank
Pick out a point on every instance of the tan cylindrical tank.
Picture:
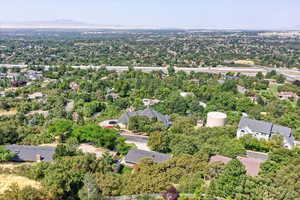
(216, 119)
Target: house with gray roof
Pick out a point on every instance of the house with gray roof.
(25, 153)
(134, 156)
(265, 130)
(151, 114)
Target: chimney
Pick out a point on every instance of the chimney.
(38, 158)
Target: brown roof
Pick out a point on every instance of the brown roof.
(219, 158)
(252, 165)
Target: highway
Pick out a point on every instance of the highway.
(290, 74)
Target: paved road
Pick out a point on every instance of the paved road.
(290, 74)
(136, 138)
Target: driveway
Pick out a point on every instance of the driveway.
(140, 141)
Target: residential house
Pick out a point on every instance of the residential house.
(265, 130)
(24, 153)
(74, 86)
(252, 162)
(241, 89)
(285, 95)
(113, 95)
(36, 95)
(134, 156)
(150, 102)
(151, 114)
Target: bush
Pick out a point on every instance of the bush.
(5, 155)
(27, 193)
(103, 137)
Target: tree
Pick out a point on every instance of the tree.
(9, 132)
(298, 102)
(64, 177)
(280, 78)
(271, 74)
(229, 85)
(14, 192)
(92, 107)
(259, 75)
(230, 182)
(171, 70)
(158, 141)
(61, 127)
(68, 149)
(103, 137)
(90, 190)
(5, 154)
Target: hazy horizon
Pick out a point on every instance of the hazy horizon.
(215, 14)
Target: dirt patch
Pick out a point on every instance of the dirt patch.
(7, 180)
(8, 113)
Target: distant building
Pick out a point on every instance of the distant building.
(74, 86)
(34, 77)
(151, 114)
(285, 95)
(241, 89)
(24, 153)
(113, 95)
(18, 83)
(265, 130)
(150, 102)
(36, 95)
(253, 99)
(134, 156)
(221, 81)
(185, 94)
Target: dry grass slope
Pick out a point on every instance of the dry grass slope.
(7, 180)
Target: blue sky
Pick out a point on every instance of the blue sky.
(248, 14)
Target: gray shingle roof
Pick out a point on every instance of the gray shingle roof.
(134, 156)
(151, 114)
(256, 125)
(267, 128)
(29, 153)
(284, 131)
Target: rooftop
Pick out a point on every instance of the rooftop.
(251, 162)
(264, 127)
(29, 153)
(124, 119)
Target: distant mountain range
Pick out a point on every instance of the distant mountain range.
(72, 24)
(64, 23)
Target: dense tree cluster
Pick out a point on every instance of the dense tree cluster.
(148, 48)
(74, 175)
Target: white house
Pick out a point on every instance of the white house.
(265, 130)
